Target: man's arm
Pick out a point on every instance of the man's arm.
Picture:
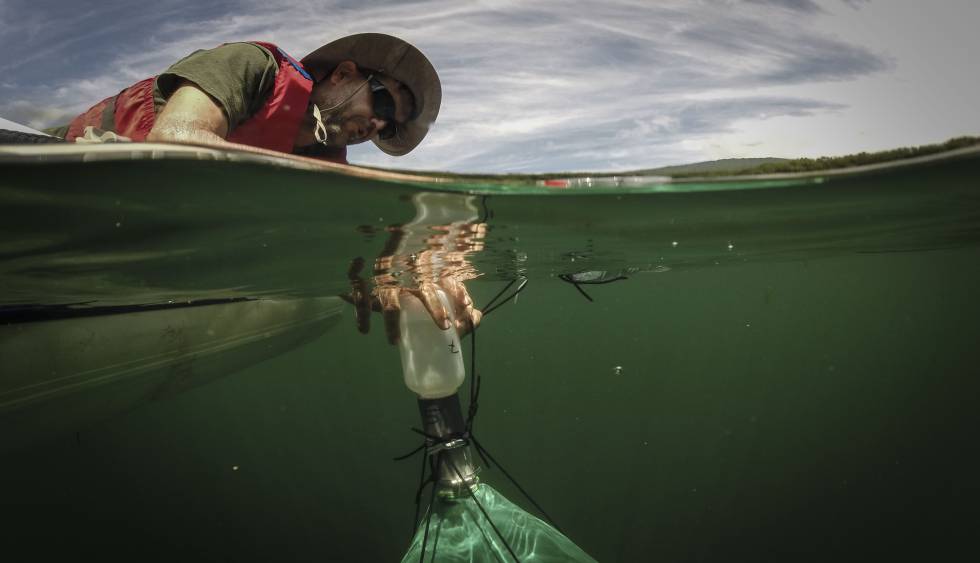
(190, 116)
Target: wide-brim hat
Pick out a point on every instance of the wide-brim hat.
(394, 58)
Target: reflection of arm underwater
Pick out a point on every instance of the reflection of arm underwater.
(432, 248)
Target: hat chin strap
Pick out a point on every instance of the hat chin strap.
(321, 131)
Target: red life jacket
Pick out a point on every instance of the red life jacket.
(274, 126)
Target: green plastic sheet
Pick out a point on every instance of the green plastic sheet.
(458, 531)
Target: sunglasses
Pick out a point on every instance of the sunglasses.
(383, 106)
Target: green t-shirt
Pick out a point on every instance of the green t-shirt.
(238, 76)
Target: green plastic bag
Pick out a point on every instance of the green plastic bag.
(458, 531)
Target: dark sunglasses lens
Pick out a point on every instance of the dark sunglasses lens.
(388, 132)
(384, 105)
(384, 108)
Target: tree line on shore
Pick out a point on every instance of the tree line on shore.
(846, 161)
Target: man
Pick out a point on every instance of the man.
(254, 97)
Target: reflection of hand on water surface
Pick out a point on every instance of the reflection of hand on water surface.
(438, 264)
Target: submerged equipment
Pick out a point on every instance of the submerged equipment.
(591, 277)
(466, 519)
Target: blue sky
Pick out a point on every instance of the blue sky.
(561, 85)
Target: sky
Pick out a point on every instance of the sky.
(562, 85)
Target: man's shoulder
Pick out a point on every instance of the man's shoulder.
(238, 75)
(253, 51)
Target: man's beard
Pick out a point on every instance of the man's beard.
(333, 117)
(328, 129)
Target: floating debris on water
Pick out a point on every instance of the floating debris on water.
(604, 182)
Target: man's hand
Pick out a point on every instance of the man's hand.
(385, 299)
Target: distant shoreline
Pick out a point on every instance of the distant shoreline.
(730, 166)
(843, 162)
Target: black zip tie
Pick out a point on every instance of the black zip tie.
(507, 299)
(487, 214)
(580, 290)
(472, 364)
(474, 405)
(409, 454)
(480, 506)
(483, 457)
(428, 516)
(499, 293)
(519, 289)
(474, 382)
(480, 448)
(429, 436)
(418, 495)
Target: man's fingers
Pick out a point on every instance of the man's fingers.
(468, 322)
(386, 300)
(390, 311)
(362, 309)
(430, 298)
(466, 315)
(359, 296)
(458, 295)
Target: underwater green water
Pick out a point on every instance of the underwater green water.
(794, 380)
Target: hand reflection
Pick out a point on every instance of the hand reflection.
(438, 261)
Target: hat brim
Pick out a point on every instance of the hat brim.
(394, 58)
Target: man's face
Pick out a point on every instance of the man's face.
(348, 105)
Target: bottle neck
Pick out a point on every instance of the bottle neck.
(445, 428)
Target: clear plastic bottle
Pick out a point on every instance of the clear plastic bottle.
(432, 358)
